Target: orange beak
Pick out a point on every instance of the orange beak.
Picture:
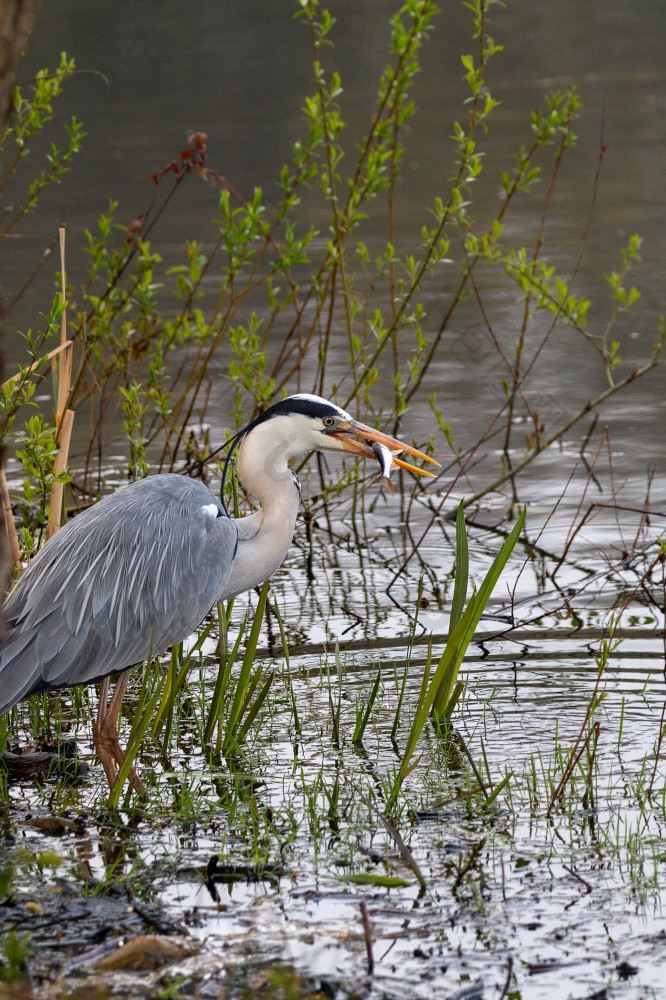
(371, 434)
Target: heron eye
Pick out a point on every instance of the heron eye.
(329, 421)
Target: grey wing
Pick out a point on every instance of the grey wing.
(134, 574)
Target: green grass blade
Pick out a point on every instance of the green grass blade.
(426, 673)
(424, 706)
(177, 680)
(477, 605)
(246, 668)
(166, 704)
(249, 694)
(362, 722)
(221, 686)
(458, 689)
(187, 660)
(462, 568)
(401, 695)
(408, 660)
(497, 789)
(168, 699)
(285, 653)
(254, 711)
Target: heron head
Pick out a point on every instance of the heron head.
(311, 423)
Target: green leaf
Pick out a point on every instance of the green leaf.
(362, 719)
(383, 881)
(462, 567)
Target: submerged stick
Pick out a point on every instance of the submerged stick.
(368, 938)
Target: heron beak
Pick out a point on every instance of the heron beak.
(371, 434)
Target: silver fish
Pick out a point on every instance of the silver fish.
(386, 464)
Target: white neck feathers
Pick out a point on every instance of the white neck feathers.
(265, 536)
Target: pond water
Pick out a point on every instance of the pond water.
(517, 902)
(561, 904)
(241, 76)
(563, 907)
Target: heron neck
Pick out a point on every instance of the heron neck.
(265, 536)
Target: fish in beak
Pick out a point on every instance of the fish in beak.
(385, 459)
(384, 449)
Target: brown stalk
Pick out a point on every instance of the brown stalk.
(14, 548)
(64, 416)
(37, 364)
(59, 466)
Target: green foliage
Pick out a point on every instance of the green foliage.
(247, 367)
(36, 450)
(6, 881)
(14, 952)
(135, 408)
(236, 703)
(31, 114)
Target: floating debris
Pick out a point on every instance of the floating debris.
(148, 951)
(49, 760)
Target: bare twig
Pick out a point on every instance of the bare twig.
(368, 938)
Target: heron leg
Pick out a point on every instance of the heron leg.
(105, 732)
(99, 741)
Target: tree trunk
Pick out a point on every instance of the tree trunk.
(16, 17)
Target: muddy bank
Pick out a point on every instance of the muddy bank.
(57, 934)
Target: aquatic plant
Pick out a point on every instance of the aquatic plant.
(441, 690)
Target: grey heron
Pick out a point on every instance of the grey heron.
(139, 571)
